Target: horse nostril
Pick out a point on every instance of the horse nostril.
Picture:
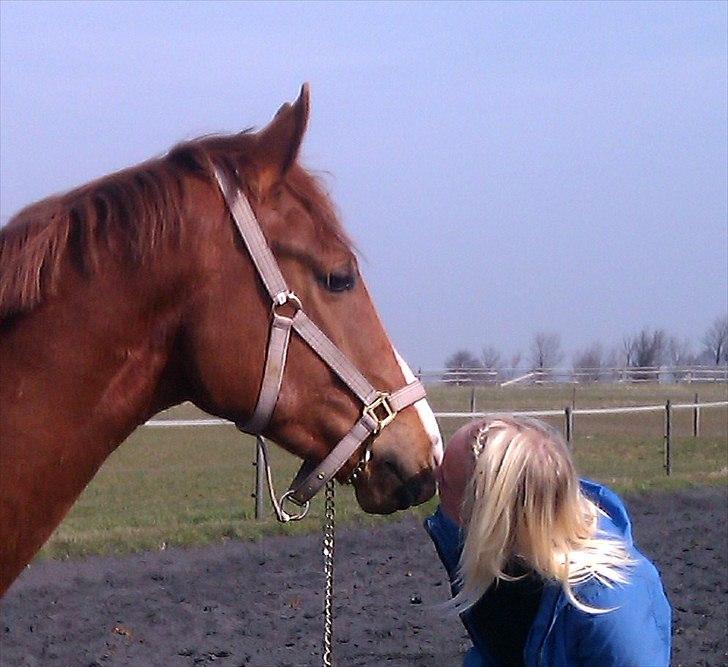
(413, 489)
(401, 493)
(421, 488)
(394, 469)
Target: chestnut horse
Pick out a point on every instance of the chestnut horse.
(135, 292)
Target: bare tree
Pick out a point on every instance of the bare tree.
(680, 356)
(649, 348)
(491, 361)
(715, 341)
(612, 361)
(588, 363)
(648, 351)
(628, 350)
(512, 369)
(462, 368)
(545, 351)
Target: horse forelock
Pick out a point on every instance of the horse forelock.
(137, 211)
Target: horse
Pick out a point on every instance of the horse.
(144, 289)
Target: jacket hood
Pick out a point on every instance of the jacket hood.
(617, 520)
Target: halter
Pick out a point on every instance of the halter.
(380, 407)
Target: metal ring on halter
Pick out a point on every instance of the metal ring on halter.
(282, 298)
(284, 516)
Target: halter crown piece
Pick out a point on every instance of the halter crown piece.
(380, 407)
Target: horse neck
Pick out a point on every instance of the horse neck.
(100, 346)
(77, 375)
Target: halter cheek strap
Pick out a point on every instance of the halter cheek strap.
(380, 408)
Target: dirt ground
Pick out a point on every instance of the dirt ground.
(259, 603)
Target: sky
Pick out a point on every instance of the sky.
(504, 168)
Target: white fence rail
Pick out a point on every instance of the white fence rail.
(587, 411)
(170, 423)
(631, 374)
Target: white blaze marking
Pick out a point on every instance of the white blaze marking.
(424, 411)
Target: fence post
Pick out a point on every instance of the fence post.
(696, 417)
(569, 424)
(668, 438)
(472, 398)
(259, 492)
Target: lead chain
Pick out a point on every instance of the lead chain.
(328, 550)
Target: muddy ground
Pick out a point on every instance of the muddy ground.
(259, 604)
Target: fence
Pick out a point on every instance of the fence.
(631, 374)
(568, 414)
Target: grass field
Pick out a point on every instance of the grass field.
(194, 485)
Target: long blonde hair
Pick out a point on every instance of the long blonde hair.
(523, 501)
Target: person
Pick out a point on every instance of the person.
(543, 567)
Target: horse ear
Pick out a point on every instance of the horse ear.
(278, 143)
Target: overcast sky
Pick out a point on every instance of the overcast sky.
(505, 168)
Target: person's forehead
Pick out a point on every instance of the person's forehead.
(468, 434)
(459, 449)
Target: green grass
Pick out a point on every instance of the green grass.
(182, 486)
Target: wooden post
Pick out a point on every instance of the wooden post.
(472, 398)
(668, 438)
(259, 492)
(569, 424)
(696, 417)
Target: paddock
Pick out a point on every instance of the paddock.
(259, 603)
(185, 486)
(210, 584)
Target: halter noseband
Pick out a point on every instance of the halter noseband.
(380, 407)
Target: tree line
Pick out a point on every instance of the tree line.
(647, 348)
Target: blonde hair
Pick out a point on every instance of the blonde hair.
(523, 501)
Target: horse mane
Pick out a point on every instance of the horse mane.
(133, 212)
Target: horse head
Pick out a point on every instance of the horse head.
(227, 324)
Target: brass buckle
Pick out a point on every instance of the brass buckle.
(381, 404)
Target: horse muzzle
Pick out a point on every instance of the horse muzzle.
(387, 486)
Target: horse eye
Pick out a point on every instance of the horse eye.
(339, 282)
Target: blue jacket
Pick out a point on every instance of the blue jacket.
(636, 633)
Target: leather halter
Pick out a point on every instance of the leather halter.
(380, 407)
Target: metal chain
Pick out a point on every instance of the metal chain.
(328, 550)
(329, 526)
